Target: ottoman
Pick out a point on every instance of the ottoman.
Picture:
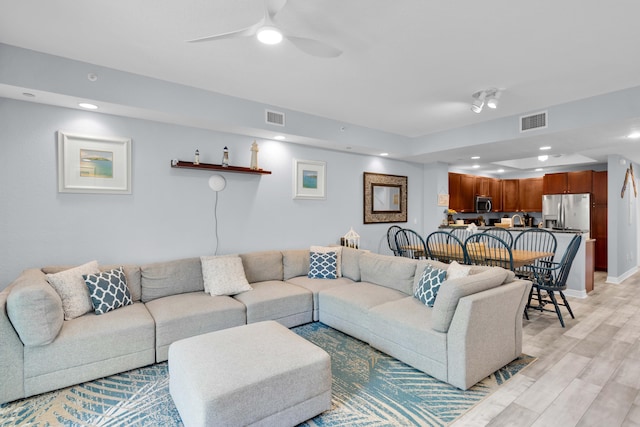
(261, 374)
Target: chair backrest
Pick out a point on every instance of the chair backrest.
(488, 249)
(461, 233)
(502, 234)
(391, 239)
(567, 260)
(445, 247)
(537, 240)
(410, 244)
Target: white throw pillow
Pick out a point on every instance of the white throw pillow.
(328, 249)
(73, 291)
(224, 275)
(455, 271)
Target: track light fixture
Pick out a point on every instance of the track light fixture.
(488, 96)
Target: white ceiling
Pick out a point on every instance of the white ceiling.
(409, 67)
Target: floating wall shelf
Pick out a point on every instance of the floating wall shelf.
(212, 167)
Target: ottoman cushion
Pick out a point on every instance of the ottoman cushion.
(257, 374)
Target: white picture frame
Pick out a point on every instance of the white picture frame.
(309, 179)
(93, 164)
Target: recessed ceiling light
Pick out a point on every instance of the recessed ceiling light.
(88, 106)
(269, 35)
(500, 170)
(279, 137)
(543, 158)
(384, 154)
(475, 157)
(539, 169)
(476, 166)
(634, 135)
(546, 147)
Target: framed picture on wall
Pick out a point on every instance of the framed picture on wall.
(309, 179)
(385, 198)
(93, 164)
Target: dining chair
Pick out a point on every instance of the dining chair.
(461, 233)
(445, 247)
(553, 278)
(536, 240)
(488, 249)
(410, 244)
(391, 239)
(502, 234)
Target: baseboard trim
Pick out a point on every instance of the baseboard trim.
(618, 280)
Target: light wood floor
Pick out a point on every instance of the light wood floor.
(587, 374)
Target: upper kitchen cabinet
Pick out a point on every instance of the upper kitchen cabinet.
(568, 182)
(462, 192)
(510, 194)
(495, 191)
(530, 194)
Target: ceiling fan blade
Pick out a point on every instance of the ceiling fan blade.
(245, 32)
(274, 6)
(315, 47)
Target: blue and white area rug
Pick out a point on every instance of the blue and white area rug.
(369, 389)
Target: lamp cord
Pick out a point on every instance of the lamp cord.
(215, 217)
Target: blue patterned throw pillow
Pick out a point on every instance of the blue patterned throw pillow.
(429, 283)
(108, 290)
(323, 265)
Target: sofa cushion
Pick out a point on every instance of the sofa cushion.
(35, 309)
(131, 271)
(351, 263)
(224, 275)
(69, 284)
(388, 271)
(329, 249)
(456, 271)
(428, 285)
(295, 263)
(162, 279)
(263, 266)
(323, 265)
(108, 290)
(452, 290)
(289, 304)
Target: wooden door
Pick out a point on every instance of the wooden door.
(599, 217)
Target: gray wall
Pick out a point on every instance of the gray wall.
(170, 213)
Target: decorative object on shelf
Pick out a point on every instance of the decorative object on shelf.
(217, 183)
(93, 164)
(254, 156)
(450, 213)
(175, 163)
(351, 239)
(225, 157)
(385, 198)
(196, 159)
(309, 179)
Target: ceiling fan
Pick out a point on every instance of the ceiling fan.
(268, 33)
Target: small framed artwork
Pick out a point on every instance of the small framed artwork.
(93, 164)
(309, 179)
(385, 198)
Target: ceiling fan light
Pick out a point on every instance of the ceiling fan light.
(269, 35)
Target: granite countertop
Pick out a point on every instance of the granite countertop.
(487, 227)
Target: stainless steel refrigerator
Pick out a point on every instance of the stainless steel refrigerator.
(567, 211)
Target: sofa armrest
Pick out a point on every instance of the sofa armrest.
(11, 355)
(486, 333)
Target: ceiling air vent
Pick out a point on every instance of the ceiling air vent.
(533, 121)
(274, 118)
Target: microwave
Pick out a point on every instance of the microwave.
(483, 204)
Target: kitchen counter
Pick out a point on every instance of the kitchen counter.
(516, 228)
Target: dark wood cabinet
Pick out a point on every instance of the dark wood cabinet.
(495, 191)
(530, 195)
(568, 182)
(599, 217)
(462, 192)
(510, 195)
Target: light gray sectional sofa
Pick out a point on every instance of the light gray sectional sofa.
(474, 328)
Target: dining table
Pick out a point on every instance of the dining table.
(454, 252)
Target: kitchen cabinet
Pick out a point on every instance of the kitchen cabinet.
(589, 265)
(568, 182)
(510, 195)
(495, 191)
(462, 192)
(530, 195)
(599, 217)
